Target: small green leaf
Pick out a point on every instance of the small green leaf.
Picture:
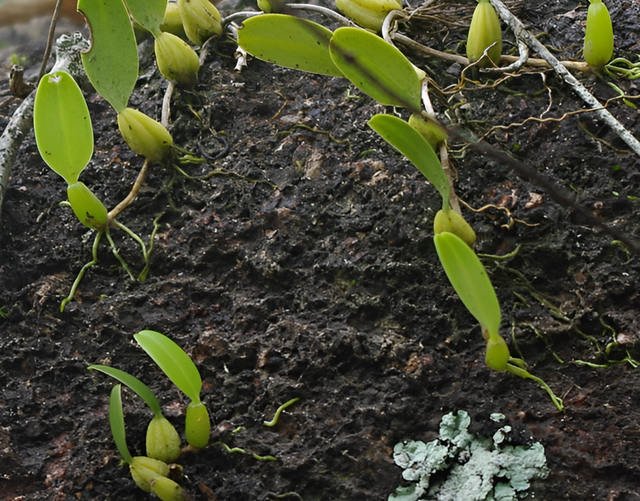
(148, 13)
(116, 421)
(62, 125)
(377, 68)
(288, 41)
(415, 147)
(173, 361)
(141, 389)
(112, 62)
(470, 280)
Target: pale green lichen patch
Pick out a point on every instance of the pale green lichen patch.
(472, 468)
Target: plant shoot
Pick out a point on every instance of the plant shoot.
(484, 33)
(598, 38)
(181, 370)
(163, 441)
(369, 14)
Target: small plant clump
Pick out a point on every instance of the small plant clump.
(151, 472)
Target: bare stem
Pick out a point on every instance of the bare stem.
(115, 212)
(52, 31)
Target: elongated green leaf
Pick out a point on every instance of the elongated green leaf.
(173, 361)
(141, 389)
(415, 147)
(288, 41)
(148, 13)
(112, 62)
(62, 125)
(116, 421)
(377, 68)
(470, 280)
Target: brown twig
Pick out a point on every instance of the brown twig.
(115, 212)
(52, 31)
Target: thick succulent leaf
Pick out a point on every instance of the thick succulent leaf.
(173, 361)
(112, 62)
(141, 389)
(377, 68)
(62, 125)
(415, 147)
(290, 42)
(470, 280)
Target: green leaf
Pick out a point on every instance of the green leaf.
(116, 420)
(377, 68)
(148, 13)
(112, 62)
(415, 147)
(288, 41)
(470, 280)
(141, 389)
(173, 361)
(62, 125)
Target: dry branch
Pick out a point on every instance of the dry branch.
(533, 43)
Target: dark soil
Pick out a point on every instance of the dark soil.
(305, 267)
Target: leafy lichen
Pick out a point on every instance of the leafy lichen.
(473, 468)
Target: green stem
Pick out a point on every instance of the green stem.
(156, 226)
(78, 279)
(133, 236)
(117, 254)
(526, 375)
(274, 421)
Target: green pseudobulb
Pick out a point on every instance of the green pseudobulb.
(452, 222)
(598, 38)
(197, 425)
(144, 135)
(87, 207)
(497, 355)
(144, 469)
(483, 32)
(163, 441)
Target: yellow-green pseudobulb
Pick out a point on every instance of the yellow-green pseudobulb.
(172, 22)
(598, 38)
(177, 61)
(163, 441)
(144, 135)
(167, 490)
(201, 20)
(86, 206)
(450, 221)
(433, 133)
(497, 353)
(144, 470)
(269, 6)
(368, 13)
(197, 425)
(484, 31)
